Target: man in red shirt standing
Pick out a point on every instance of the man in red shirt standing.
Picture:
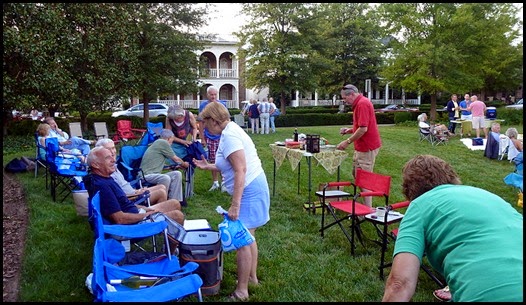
(364, 133)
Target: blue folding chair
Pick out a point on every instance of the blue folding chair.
(129, 164)
(40, 159)
(175, 282)
(153, 132)
(64, 169)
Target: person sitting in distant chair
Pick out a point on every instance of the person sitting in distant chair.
(43, 131)
(515, 145)
(82, 145)
(492, 149)
(437, 129)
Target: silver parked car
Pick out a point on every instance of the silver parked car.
(155, 110)
(517, 105)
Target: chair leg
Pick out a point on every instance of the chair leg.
(432, 276)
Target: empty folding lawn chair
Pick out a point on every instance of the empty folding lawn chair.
(101, 132)
(127, 134)
(75, 129)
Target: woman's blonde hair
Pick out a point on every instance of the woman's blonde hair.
(43, 129)
(216, 111)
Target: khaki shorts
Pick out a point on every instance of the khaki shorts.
(479, 122)
(364, 160)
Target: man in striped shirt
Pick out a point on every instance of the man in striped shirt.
(264, 115)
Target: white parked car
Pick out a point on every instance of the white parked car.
(155, 110)
(517, 105)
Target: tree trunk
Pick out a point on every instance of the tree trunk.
(282, 103)
(433, 111)
(146, 115)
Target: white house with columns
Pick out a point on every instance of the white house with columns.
(223, 68)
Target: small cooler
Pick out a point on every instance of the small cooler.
(491, 113)
(204, 248)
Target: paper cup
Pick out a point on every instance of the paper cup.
(380, 211)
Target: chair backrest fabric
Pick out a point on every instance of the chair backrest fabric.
(75, 129)
(129, 161)
(60, 163)
(40, 150)
(153, 133)
(101, 130)
(124, 129)
(239, 119)
(373, 181)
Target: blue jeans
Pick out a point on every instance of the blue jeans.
(272, 125)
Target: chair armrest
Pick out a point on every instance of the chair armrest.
(367, 194)
(338, 184)
(140, 230)
(398, 205)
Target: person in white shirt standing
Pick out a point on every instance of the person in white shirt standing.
(264, 115)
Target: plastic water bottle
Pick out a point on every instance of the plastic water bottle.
(136, 282)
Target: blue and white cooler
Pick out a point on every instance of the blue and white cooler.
(491, 113)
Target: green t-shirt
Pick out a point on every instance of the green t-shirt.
(155, 156)
(471, 236)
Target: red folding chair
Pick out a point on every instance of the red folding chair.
(126, 133)
(371, 184)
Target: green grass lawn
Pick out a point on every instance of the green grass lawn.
(295, 263)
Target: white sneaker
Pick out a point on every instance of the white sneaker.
(214, 187)
(223, 188)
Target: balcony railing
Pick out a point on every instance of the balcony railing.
(232, 104)
(223, 73)
(194, 104)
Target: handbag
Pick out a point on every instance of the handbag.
(477, 142)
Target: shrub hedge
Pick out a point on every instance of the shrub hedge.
(301, 116)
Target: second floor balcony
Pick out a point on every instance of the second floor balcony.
(220, 73)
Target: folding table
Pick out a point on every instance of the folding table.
(330, 160)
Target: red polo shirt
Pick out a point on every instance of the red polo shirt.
(363, 116)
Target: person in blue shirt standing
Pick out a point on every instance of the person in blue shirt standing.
(465, 114)
(208, 140)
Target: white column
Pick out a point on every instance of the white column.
(297, 98)
(386, 93)
(315, 98)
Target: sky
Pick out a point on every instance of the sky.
(226, 18)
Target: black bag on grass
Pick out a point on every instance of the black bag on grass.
(16, 166)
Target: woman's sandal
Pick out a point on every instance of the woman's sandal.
(234, 297)
(443, 294)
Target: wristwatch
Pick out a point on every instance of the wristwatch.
(348, 140)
